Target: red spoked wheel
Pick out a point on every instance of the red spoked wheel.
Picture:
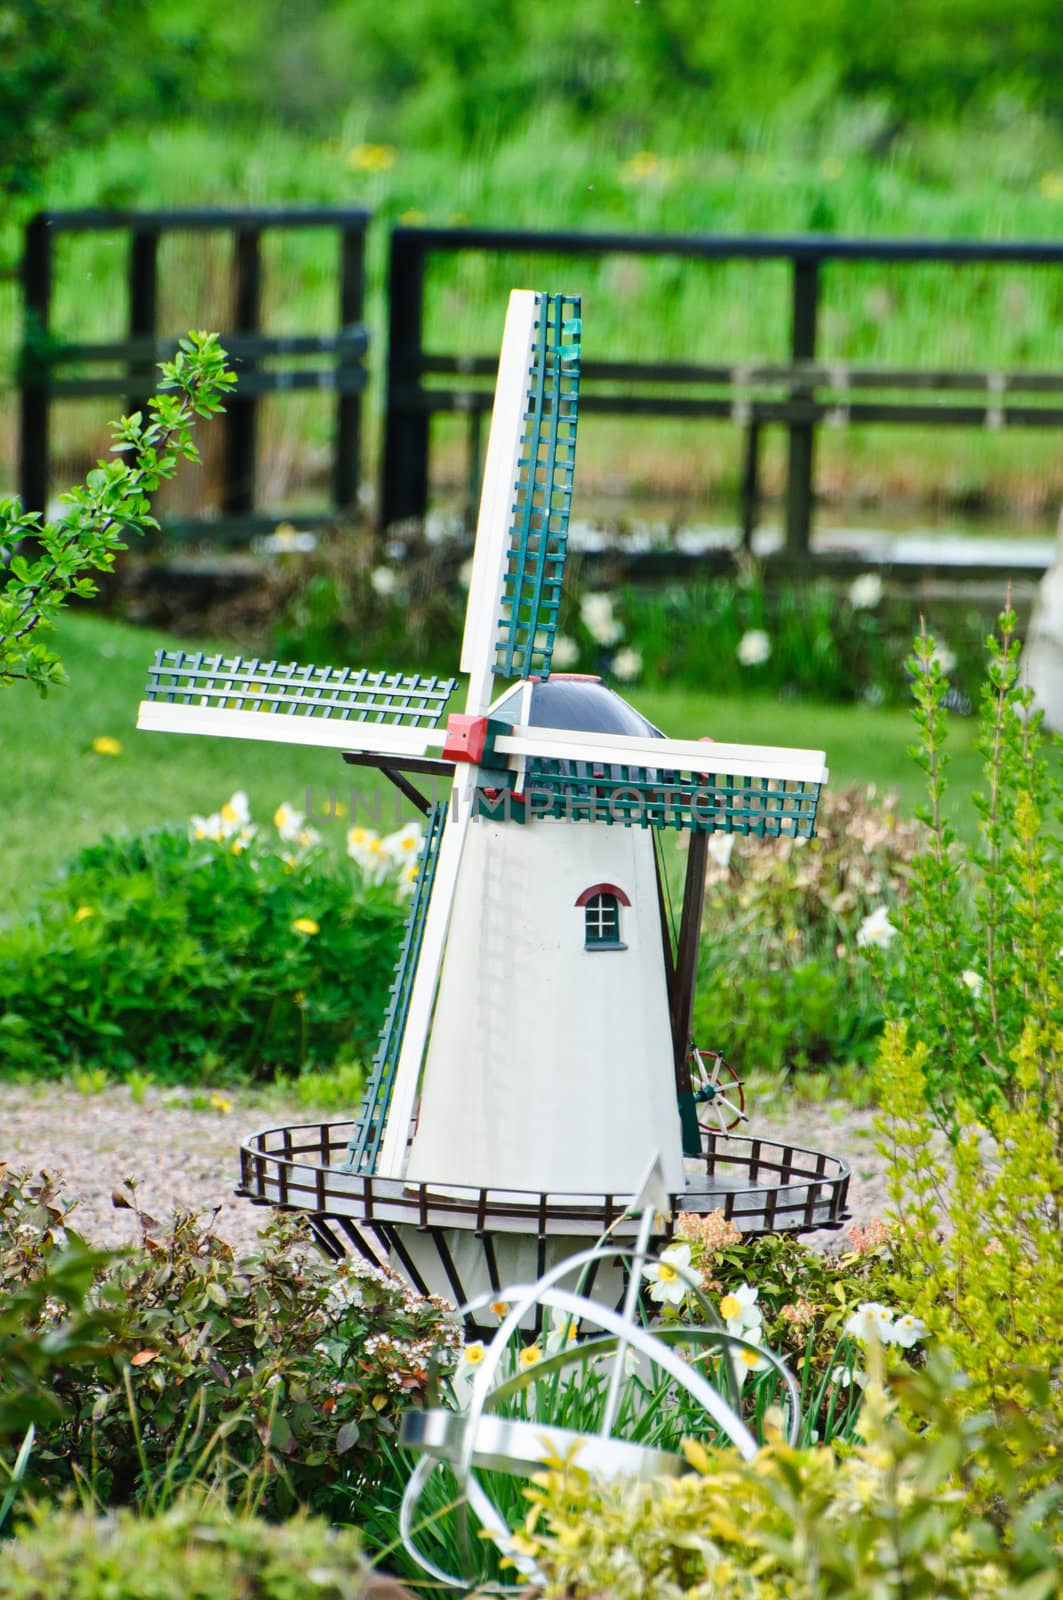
(719, 1094)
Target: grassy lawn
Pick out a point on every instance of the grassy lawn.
(59, 794)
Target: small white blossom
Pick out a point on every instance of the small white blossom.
(754, 648)
(236, 813)
(384, 582)
(865, 591)
(739, 1309)
(288, 822)
(909, 1330)
(719, 847)
(871, 1321)
(974, 981)
(844, 1377)
(565, 653)
(465, 573)
(596, 611)
(670, 1276)
(945, 658)
(627, 665)
(404, 844)
(367, 849)
(877, 930)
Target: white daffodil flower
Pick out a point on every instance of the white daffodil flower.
(746, 1361)
(845, 1377)
(407, 880)
(367, 849)
(566, 652)
(288, 822)
(236, 813)
(865, 591)
(871, 1321)
(627, 665)
(596, 610)
(671, 1275)
(754, 648)
(739, 1309)
(909, 1330)
(876, 930)
(210, 827)
(404, 844)
(469, 1362)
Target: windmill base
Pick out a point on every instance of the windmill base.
(459, 1243)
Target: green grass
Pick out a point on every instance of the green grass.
(1004, 186)
(58, 794)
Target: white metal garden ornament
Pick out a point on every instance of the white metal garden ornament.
(486, 1437)
(537, 1045)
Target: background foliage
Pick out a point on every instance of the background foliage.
(165, 953)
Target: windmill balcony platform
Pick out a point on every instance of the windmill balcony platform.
(760, 1185)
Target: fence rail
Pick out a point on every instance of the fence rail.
(340, 369)
(808, 392)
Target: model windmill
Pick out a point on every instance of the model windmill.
(539, 1012)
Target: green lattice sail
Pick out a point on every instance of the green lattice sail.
(535, 569)
(364, 1147)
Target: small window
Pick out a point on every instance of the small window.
(601, 916)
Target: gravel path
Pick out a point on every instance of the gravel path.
(184, 1157)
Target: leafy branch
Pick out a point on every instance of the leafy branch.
(100, 514)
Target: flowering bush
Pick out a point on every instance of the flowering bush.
(903, 1513)
(212, 951)
(278, 1375)
(782, 981)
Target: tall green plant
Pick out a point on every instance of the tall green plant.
(113, 502)
(983, 925)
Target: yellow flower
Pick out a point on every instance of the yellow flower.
(372, 157)
(104, 745)
(641, 166)
(83, 913)
(499, 1307)
(299, 997)
(473, 1353)
(221, 1103)
(306, 925)
(531, 1356)
(730, 1307)
(666, 1273)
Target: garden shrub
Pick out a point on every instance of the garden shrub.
(989, 1283)
(900, 1515)
(192, 1551)
(275, 1377)
(782, 979)
(197, 957)
(983, 925)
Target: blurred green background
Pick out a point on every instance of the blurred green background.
(863, 117)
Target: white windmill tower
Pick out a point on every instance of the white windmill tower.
(539, 1011)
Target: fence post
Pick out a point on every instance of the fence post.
(802, 434)
(404, 474)
(238, 494)
(143, 308)
(346, 466)
(33, 367)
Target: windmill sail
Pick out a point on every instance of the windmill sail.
(364, 1148)
(522, 530)
(531, 598)
(285, 703)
